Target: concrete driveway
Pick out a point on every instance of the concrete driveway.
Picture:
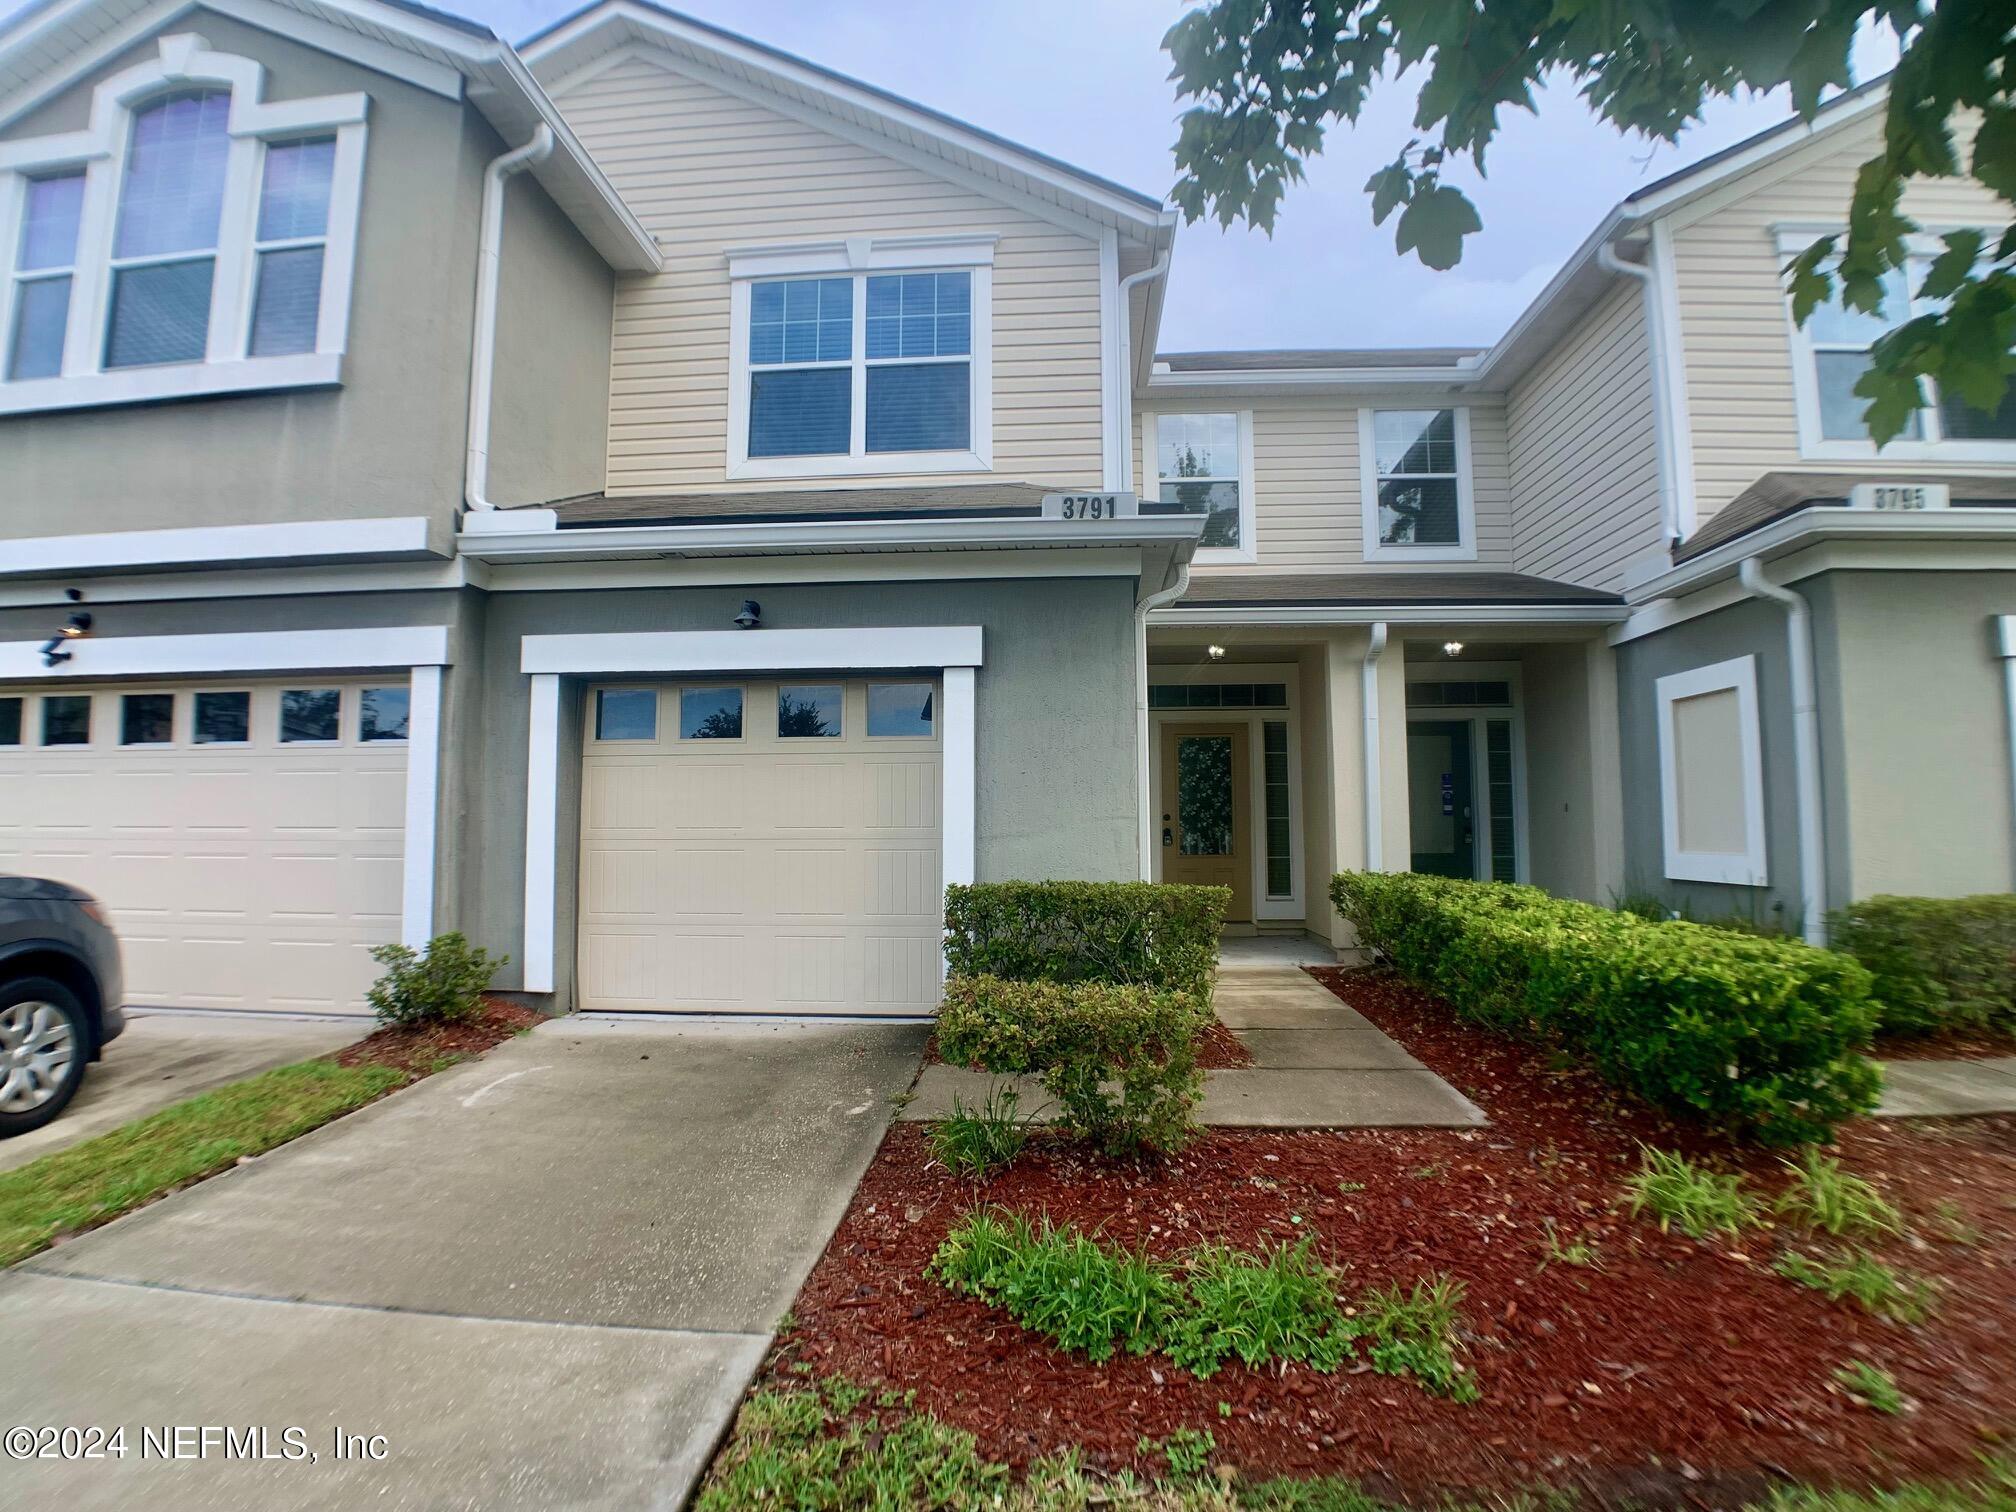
(165, 1057)
(544, 1278)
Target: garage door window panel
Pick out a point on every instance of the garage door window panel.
(900, 711)
(382, 714)
(10, 721)
(809, 712)
(710, 713)
(66, 720)
(626, 714)
(311, 716)
(147, 719)
(223, 718)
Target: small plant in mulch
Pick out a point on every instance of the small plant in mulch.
(1557, 1251)
(1860, 1277)
(1683, 1194)
(442, 985)
(1823, 1196)
(1276, 1307)
(977, 1142)
(1872, 1386)
(1187, 1452)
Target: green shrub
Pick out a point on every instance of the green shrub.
(1121, 1061)
(976, 1142)
(1141, 934)
(1938, 963)
(443, 986)
(1689, 1197)
(1761, 1037)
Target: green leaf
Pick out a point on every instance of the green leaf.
(1390, 188)
(1434, 224)
(1995, 150)
(1808, 280)
(1952, 268)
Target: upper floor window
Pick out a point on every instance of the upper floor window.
(193, 239)
(1831, 352)
(1204, 465)
(855, 371)
(1414, 468)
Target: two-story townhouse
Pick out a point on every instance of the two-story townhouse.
(696, 520)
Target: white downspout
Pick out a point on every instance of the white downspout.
(1154, 270)
(483, 348)
(1142, 610)
(1805, 745)
(1368, 674)
(1662, 414)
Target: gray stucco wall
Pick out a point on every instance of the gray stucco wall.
(1054, 717)
(1746, 629)
(1918, 797)
(390, 440)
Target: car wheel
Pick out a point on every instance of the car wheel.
(44, 1039)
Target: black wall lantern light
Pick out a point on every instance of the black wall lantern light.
(55, 650)
(751, 615)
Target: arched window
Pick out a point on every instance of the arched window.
(194, 239)
(164, 254)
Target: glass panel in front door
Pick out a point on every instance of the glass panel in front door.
(1204, 794)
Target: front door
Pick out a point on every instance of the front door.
(1206, 828)
(1441, 798)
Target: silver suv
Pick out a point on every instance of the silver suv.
(60, 995)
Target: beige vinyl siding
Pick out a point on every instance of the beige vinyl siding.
(707, 171)
(1583, 450)
(1306, 486)
(1734, 325)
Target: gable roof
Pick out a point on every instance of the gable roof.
(604, 27)
(51, 45)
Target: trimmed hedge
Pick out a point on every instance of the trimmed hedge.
(1760, 1037)
(1144, 934)
(1938, 963)
(1121, 1060)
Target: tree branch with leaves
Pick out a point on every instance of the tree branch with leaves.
(1270, 77)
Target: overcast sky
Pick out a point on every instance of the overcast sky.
(1086, 81)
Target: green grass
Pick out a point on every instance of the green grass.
(1872, 1386)
(96, 1181)
(804, 1448)
(1681, 1194)
(1219, 1304)
(1823, 1196)
(1575, 1252)
(1865, 1280)
(977, 1142)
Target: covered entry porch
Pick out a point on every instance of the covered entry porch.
(1291, 740)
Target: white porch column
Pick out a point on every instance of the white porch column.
(542, 825)
(423, 796)
(961, 772)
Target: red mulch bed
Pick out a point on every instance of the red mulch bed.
(420, 1048)
(1678, 1373)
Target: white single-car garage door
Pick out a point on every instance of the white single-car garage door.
(247, 838)
(762, 847)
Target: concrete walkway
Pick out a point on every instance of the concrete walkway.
(165, 1057)
(1317, 1064)
(1948, 1089)
(545, 1278)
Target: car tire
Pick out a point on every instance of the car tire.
(45, 1042)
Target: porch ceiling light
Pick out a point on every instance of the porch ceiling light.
(1452, 648)
(1216, 653)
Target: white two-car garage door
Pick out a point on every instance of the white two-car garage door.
(246, 838)
(762, 847)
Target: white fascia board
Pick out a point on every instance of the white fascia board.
(863, 254)
(1179, 532)
(301, 542)
(845, 98)
(1809, 527)
(1286, 615)
(1465, 377)
(95, 656)
(625, 652)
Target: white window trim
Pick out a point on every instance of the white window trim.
(1746, 869)
(857, 258)
(100, 149)
(1814, 444)
(1248, 549)
(952, 650)
(1465, 548)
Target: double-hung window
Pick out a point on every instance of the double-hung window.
(1204, 465)
(845, 363)
(193, 239)
(1414, 468)
(1831, 352)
